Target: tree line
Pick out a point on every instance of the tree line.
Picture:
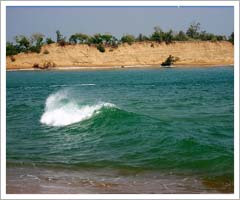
(37, 40)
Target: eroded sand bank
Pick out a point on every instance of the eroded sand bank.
(144, 54)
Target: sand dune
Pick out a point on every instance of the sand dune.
(137, 54)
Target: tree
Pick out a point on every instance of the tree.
(168, 37)
(59, 36)
(79, 38)
(128, 39)
(36, 42)
(114, 42)
(157, 34)
(110, 40)
(37, 39)
(181, 36)
(96, 39)
(73, 39)
(107, 38)
(11, 49)
(36, 49)
(204, 36)
(49, 41)
(157, 29)
(221, 37)
(231, 38)
(142, 38)
(193, 30)
(82, 38)
(60, 39)
(23, 43)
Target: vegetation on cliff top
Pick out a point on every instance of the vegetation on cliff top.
(100, 41)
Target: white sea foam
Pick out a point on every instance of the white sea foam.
(85, 84)
(57, 85)
(61, 110)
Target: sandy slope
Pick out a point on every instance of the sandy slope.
(145, 53)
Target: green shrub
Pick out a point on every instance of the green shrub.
(73, 39)
(157, 35)
(35, 49)
(22, 43)
(193, 30)
(101, 48)
(142, 38)
(168, 37)
(11, 49)
(60, 39)
(214, 39)
(49, 41)
(221, 37)
(36, 39)
(231, 38)
(169, 61)
(181, 36)
(59, 36)
(128, 39)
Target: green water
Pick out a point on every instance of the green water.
(178, 120)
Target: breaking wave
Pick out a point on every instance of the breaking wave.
(62, 110)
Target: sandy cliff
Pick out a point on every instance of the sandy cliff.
(144, 53)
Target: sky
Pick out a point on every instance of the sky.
(115, 20)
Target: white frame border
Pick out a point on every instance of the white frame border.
(235, 195)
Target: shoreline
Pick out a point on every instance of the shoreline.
(83, 68)
(47, 180)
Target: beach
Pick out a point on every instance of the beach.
(93, 68)
(49, 180)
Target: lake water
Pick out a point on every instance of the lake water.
(176, 122)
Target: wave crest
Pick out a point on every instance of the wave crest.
(62, 110)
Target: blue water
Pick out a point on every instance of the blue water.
(178, 120)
